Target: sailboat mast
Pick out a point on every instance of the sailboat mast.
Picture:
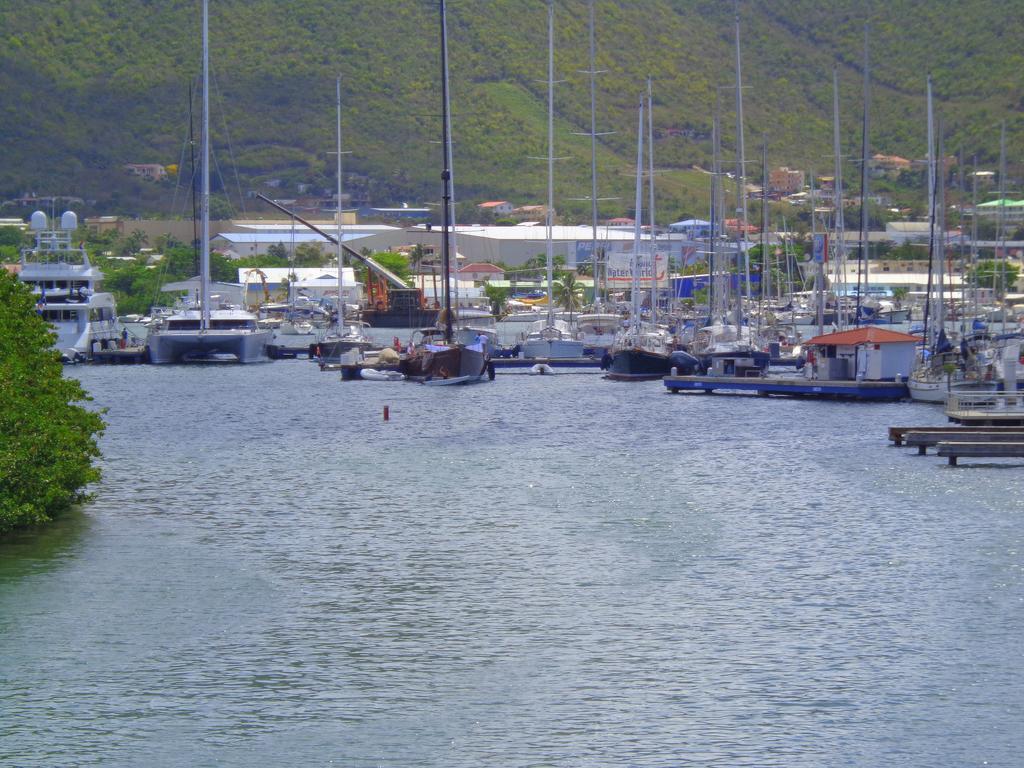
(598, 294)
(932, 313)
(650, 203)
(1000, 264)
(204, 199)
(713, 219)
(741, 181)
(341, 253)
(940, 231)
(819, 299)
(974, 236)
(766, 267)
(548, 245)
(839, 249)
(637, 222)
(721, 275)
(863, 256)
(446, 179)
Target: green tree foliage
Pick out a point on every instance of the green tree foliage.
(497, 296)
(47, 440)
(310, 255)
(568, 292)
(996, 274)
(117, 69)
(11, 236)
(395, 262)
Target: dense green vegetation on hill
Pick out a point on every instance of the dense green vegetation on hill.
(47, 440)
(91, 85)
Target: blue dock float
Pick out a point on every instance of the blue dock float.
(793, 387)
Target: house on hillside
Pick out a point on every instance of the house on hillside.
(148, 171)
(785, 181)
(497, 207)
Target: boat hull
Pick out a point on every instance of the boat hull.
(933, 391)
(170, 347)
(638, 365)
(548, 348)
(460, 364)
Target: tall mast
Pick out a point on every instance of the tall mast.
(713, 219)
(819, 299)
(637, 222)
(446, 179)
(593, 162)
(974, 236)
(204, 200)
(451, 286)
(650, 202)
(837, 193)
(548, 246)
(766, 267)
(863, 257)
(341, 253)
(741, 181)
(722, 277)
(1000, 265)
(940, 231)
(930, 313)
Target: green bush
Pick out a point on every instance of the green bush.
(47, 440)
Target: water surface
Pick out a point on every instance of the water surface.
(539, 571)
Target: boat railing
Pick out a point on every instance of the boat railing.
(985, 402)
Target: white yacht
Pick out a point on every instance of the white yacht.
(67, 286)
(552, 338)
(205, 333)
(228, 335)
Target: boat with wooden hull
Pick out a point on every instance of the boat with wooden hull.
(450, 364)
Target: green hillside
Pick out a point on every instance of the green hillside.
(91, 84)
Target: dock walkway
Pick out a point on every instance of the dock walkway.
(793, 387)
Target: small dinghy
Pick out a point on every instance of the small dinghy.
(541, 369)
(372, 374)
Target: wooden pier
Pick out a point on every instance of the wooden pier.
(954, 451)
(899, 434)
(955, 443)
(792, 387)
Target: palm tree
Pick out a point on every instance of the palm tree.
(568, 293)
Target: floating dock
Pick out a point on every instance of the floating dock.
(117, 356)
(986, 408)
(791, 387)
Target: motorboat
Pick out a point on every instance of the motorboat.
(67, 289)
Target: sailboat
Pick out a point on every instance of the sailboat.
(644, 351)
(553, 338)
(726, 345)
(940, 370)
(438, 359)
(204, 333)
(347, 340)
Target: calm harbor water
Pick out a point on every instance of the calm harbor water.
(541, 571)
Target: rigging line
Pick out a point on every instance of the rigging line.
(227, 136)
(181, 161)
